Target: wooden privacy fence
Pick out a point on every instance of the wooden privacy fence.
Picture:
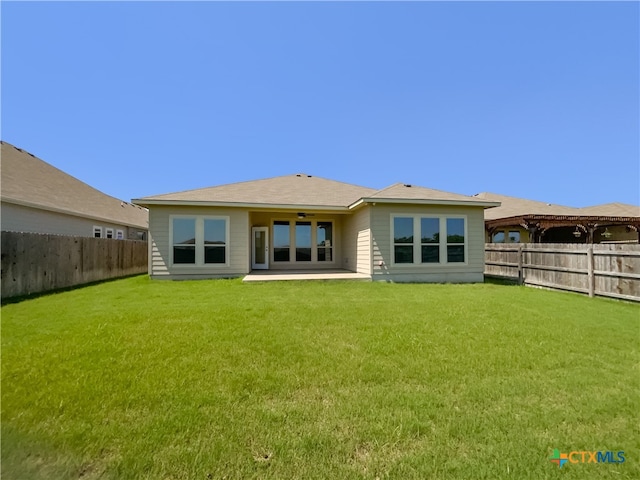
(609, 270)
(33, 262)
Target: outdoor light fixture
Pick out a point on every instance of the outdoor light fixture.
(577, 233)
(301, 215)
(606, 233)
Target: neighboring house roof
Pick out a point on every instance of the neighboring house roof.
(513, 208)
(613, 210)
(29, 181)
(307, 191)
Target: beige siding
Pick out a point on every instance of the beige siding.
(362, 243)
(158, 242)
(364, 251)
(357, 242)
(18, 218)
(160, 247)
(382, 248)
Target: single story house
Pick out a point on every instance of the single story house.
(402, 233)
(36, 197)
(518, 220)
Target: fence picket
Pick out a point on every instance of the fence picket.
(34, 263)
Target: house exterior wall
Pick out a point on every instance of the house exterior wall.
(240, 223)
(619, 233)
(363, 242)
(356, 241)
(19, 218)
(160, 247)
(382, 248)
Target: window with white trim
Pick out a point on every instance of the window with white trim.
(403, 239)
(303, 241)
(109, 233)
(184, 240)
(428, 239)
(199, 241)
(215, 240)
(97, 232)
(281, 241)
(119, 234)
(324, 240)
(506, 236)
(455, 240)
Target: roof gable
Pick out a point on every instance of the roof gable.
(403, 191)
(27, 180)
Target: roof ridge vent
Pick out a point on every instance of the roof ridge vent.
(408, 185)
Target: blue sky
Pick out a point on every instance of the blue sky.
(538, 99)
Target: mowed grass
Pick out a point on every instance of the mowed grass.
(140, 379)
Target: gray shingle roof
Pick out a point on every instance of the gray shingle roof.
(513, 206)
(401, 191)
(27, 180)
(304, 190)
(298, 189)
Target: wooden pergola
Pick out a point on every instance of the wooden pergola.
(537, 225)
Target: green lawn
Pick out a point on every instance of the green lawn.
(137, 379)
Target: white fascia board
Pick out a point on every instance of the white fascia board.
(263, 206)
(465, 203)
(357, 203)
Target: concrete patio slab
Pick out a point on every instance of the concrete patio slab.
(283, 275)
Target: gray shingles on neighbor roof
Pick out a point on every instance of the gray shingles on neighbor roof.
(27, 180)
(304, 190)
(514, 206)
(615, 209)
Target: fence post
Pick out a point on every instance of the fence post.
(520, 264)
(590, 276)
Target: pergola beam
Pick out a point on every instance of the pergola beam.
(537, 225)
